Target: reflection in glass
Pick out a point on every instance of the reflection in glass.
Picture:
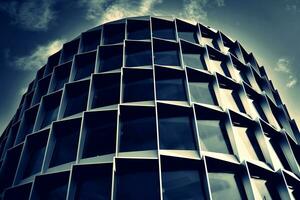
(201, 92)
(170, 86)
(138, 54)
(137, 179)
(225, 186)
(100, 134)
(176, 130)
(166, 53)
(138, 30)
(213, 136)
(138, 129)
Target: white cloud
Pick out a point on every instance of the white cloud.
(34, 15)
(291, 82)
(38, 57)
(103, 11)
(284, 66)
(197, 10)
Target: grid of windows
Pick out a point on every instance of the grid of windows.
(172, 109)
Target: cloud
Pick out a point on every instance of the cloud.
(33, 15)
(292, 81)
(284, 66)
(103, 11)
(38, 57)
(197, 10)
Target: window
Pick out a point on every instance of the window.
(92, 181)
(138, 53)
(138, 30)
(201, 89)
(142, 175)
(138, 128)
(60, 76)
(33, 155)
(18, 191)
(225, 186)
(51, 186)
(84, 65)
(41, 90)
(49, 110)
(90, 40)
(212, 131)
(27, 123)
(9, 166)
(187, 31)
(52, 62)
(69, 50)
(193, 55)
(138, 85)
(113, 33)
(64, 146)
(166, 53)
(102, 85)
(111, 57)
(182, 179)
(176, 129)
(170, 84)
(163, 29)
(99, 133)
(75, 100)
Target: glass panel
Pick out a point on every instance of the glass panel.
(65, 145)
(163, 29)
(84, 65)
(138, 30)
(111, 57)
(100, 134)
(142, 175)
(138, 86)
(201, 92)
(50, 116)
(49, 188)
(213, 136)
(187, 31)
(182, 181)
(90, 40)
(166, 53)
(76, 104)
(103, 85)
(76, 98)
(69, 50)
(35, 161)
(176, 129)
(193, 60)
(170, 85)
(93, 182)
(225, 186)
(138, 54)
(138, 129)
(17, 192)
(113, 33)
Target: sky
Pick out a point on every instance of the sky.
(32, 30)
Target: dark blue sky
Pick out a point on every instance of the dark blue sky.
(31, 30)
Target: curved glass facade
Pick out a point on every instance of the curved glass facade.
(151, 108)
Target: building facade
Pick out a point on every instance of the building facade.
(151, 108)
